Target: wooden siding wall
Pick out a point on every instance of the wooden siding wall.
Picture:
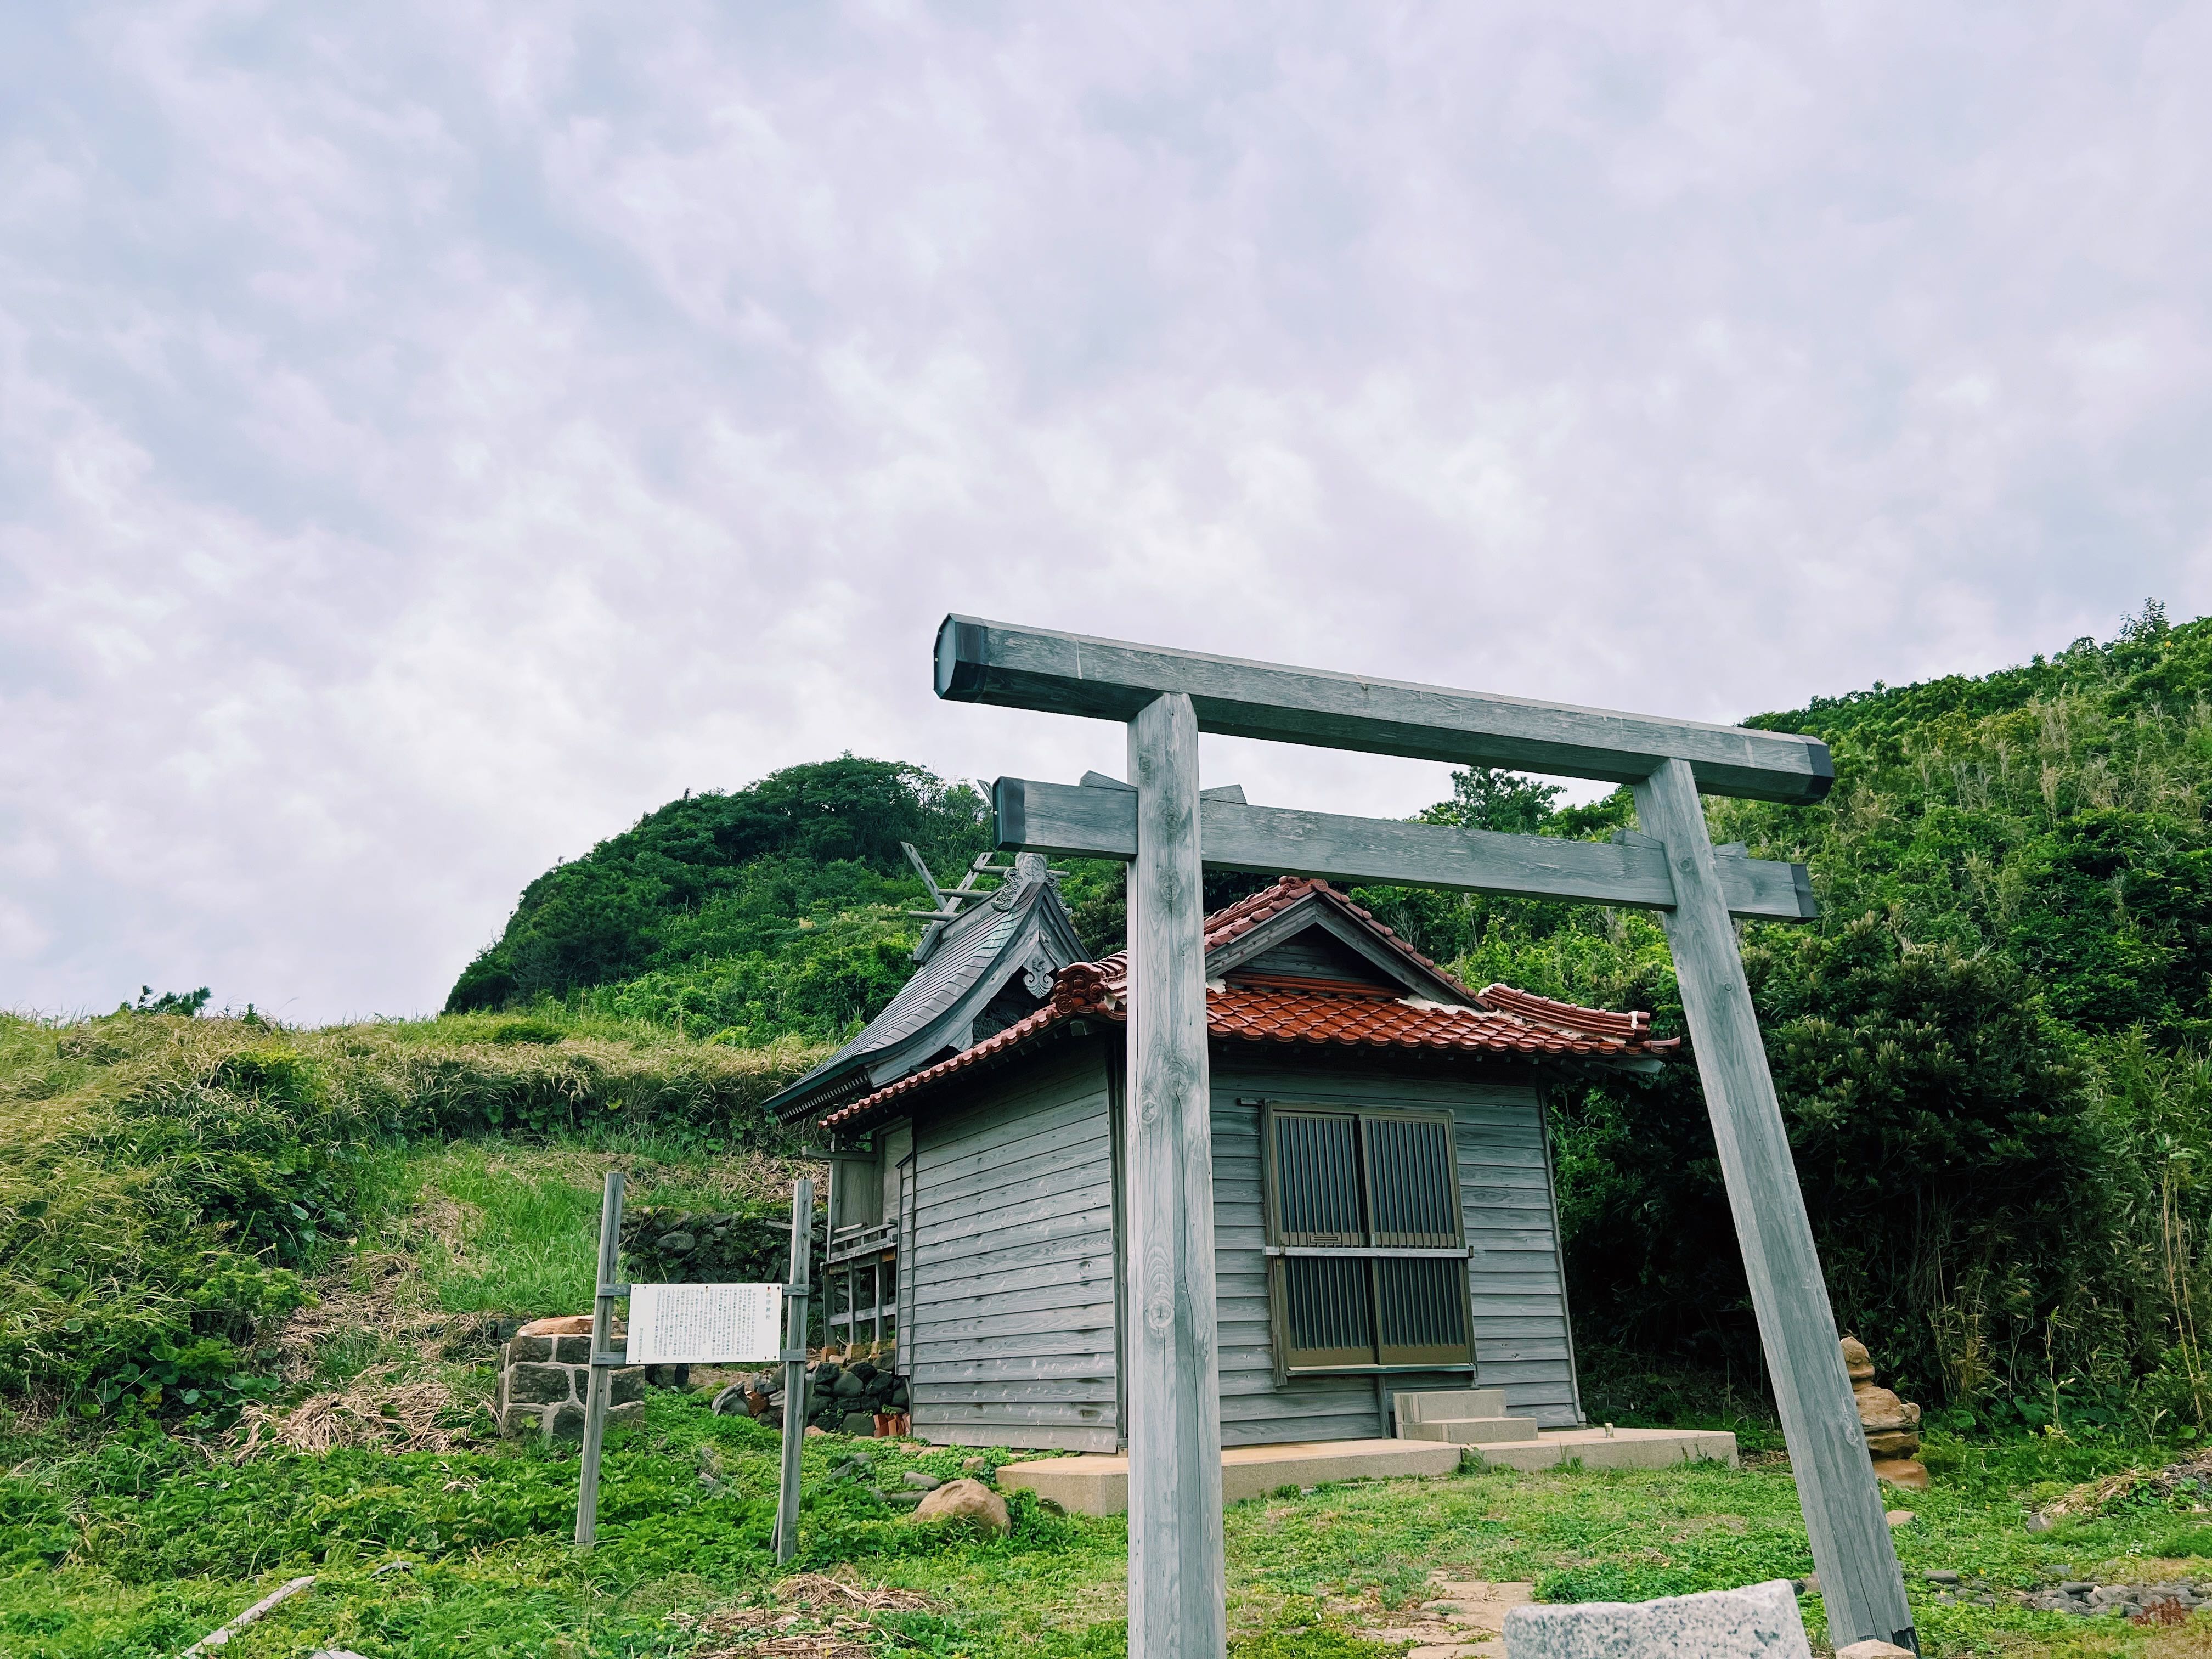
(1011, 1267)
(1519, 1294)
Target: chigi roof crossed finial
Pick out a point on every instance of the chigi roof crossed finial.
(988, 959)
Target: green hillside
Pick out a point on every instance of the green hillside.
(1989, 1048)
(770, 911)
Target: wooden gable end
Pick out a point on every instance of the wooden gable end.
(1315, 940)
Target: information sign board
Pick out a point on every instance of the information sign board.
(704, 1324)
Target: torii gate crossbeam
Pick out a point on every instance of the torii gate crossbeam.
(1176, 1577)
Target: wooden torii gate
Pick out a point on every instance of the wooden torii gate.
(1169, 831)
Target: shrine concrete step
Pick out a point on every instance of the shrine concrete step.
(1098, 1484)
(1472, 1430)
(1463, 1417)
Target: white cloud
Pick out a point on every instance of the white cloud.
(431, 437)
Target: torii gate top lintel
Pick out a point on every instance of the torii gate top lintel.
(1062, 673)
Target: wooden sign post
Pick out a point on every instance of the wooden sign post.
(1169, 830)
(698, 1324)
(795, 1298)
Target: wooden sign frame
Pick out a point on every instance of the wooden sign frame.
(1169, 830)
(605, 1360)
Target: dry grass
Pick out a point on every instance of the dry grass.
(380, 1407)
(743, 1176)
(821, 1618)
(2092, 1497)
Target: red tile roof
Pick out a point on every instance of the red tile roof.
(1497, 1020)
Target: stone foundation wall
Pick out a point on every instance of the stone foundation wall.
(545, 1376)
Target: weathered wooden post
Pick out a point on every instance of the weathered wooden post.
(796, 1293)
(1859, 1578)
(1177, 1576)
(602, 1374)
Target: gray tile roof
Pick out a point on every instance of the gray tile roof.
(1023, 926)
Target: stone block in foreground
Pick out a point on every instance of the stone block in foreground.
(1760, 1622)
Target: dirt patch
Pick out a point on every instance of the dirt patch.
(821, 1616)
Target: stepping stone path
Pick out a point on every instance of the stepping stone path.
(1466, 1619)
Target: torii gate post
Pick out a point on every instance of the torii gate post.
(1171, 830)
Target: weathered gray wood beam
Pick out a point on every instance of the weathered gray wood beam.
(1178, 1576)
(1080, 821)
(1016, 667)
(1859, 1578)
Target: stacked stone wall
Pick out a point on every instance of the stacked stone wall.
(545, 1377)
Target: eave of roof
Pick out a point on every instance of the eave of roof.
(1498, 1022)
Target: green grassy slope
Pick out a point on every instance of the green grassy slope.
(170, 1187)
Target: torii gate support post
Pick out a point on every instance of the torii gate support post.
(1178, 1578)
(1860, 1583)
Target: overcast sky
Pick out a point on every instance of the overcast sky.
(432, 436)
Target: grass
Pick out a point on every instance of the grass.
(139, 1548)
(137, 1540)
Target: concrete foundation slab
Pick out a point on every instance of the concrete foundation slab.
(1093, 1484)
(1622, 1449)
(1098, 1485)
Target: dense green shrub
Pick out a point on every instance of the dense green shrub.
(1988, 1049)
(725, 878)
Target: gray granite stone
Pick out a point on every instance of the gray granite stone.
(1760, 1622)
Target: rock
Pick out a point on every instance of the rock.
(919, 1481)
(1941, 1576)
(560, 1325)
(678, 1244)
(815, 1429)
(1900, 1517)
(1759, 1622)
(734, 1401)
(1892, 1426)
(1901, 1472)
(523, 1348)
(573, 1350)
(1874, 1650)
(629, 1385)
(862, 1423)
(1857, 1361)
(847, 1386)
(2038, 1523)
(1881, 1411)
(538, 1385)
(567, 1423)
(865, 1371)
(967, 1503)
(975, 1466)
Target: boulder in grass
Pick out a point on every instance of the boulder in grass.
(1759, 1622)
(967, 1503)
(1874, 1650)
